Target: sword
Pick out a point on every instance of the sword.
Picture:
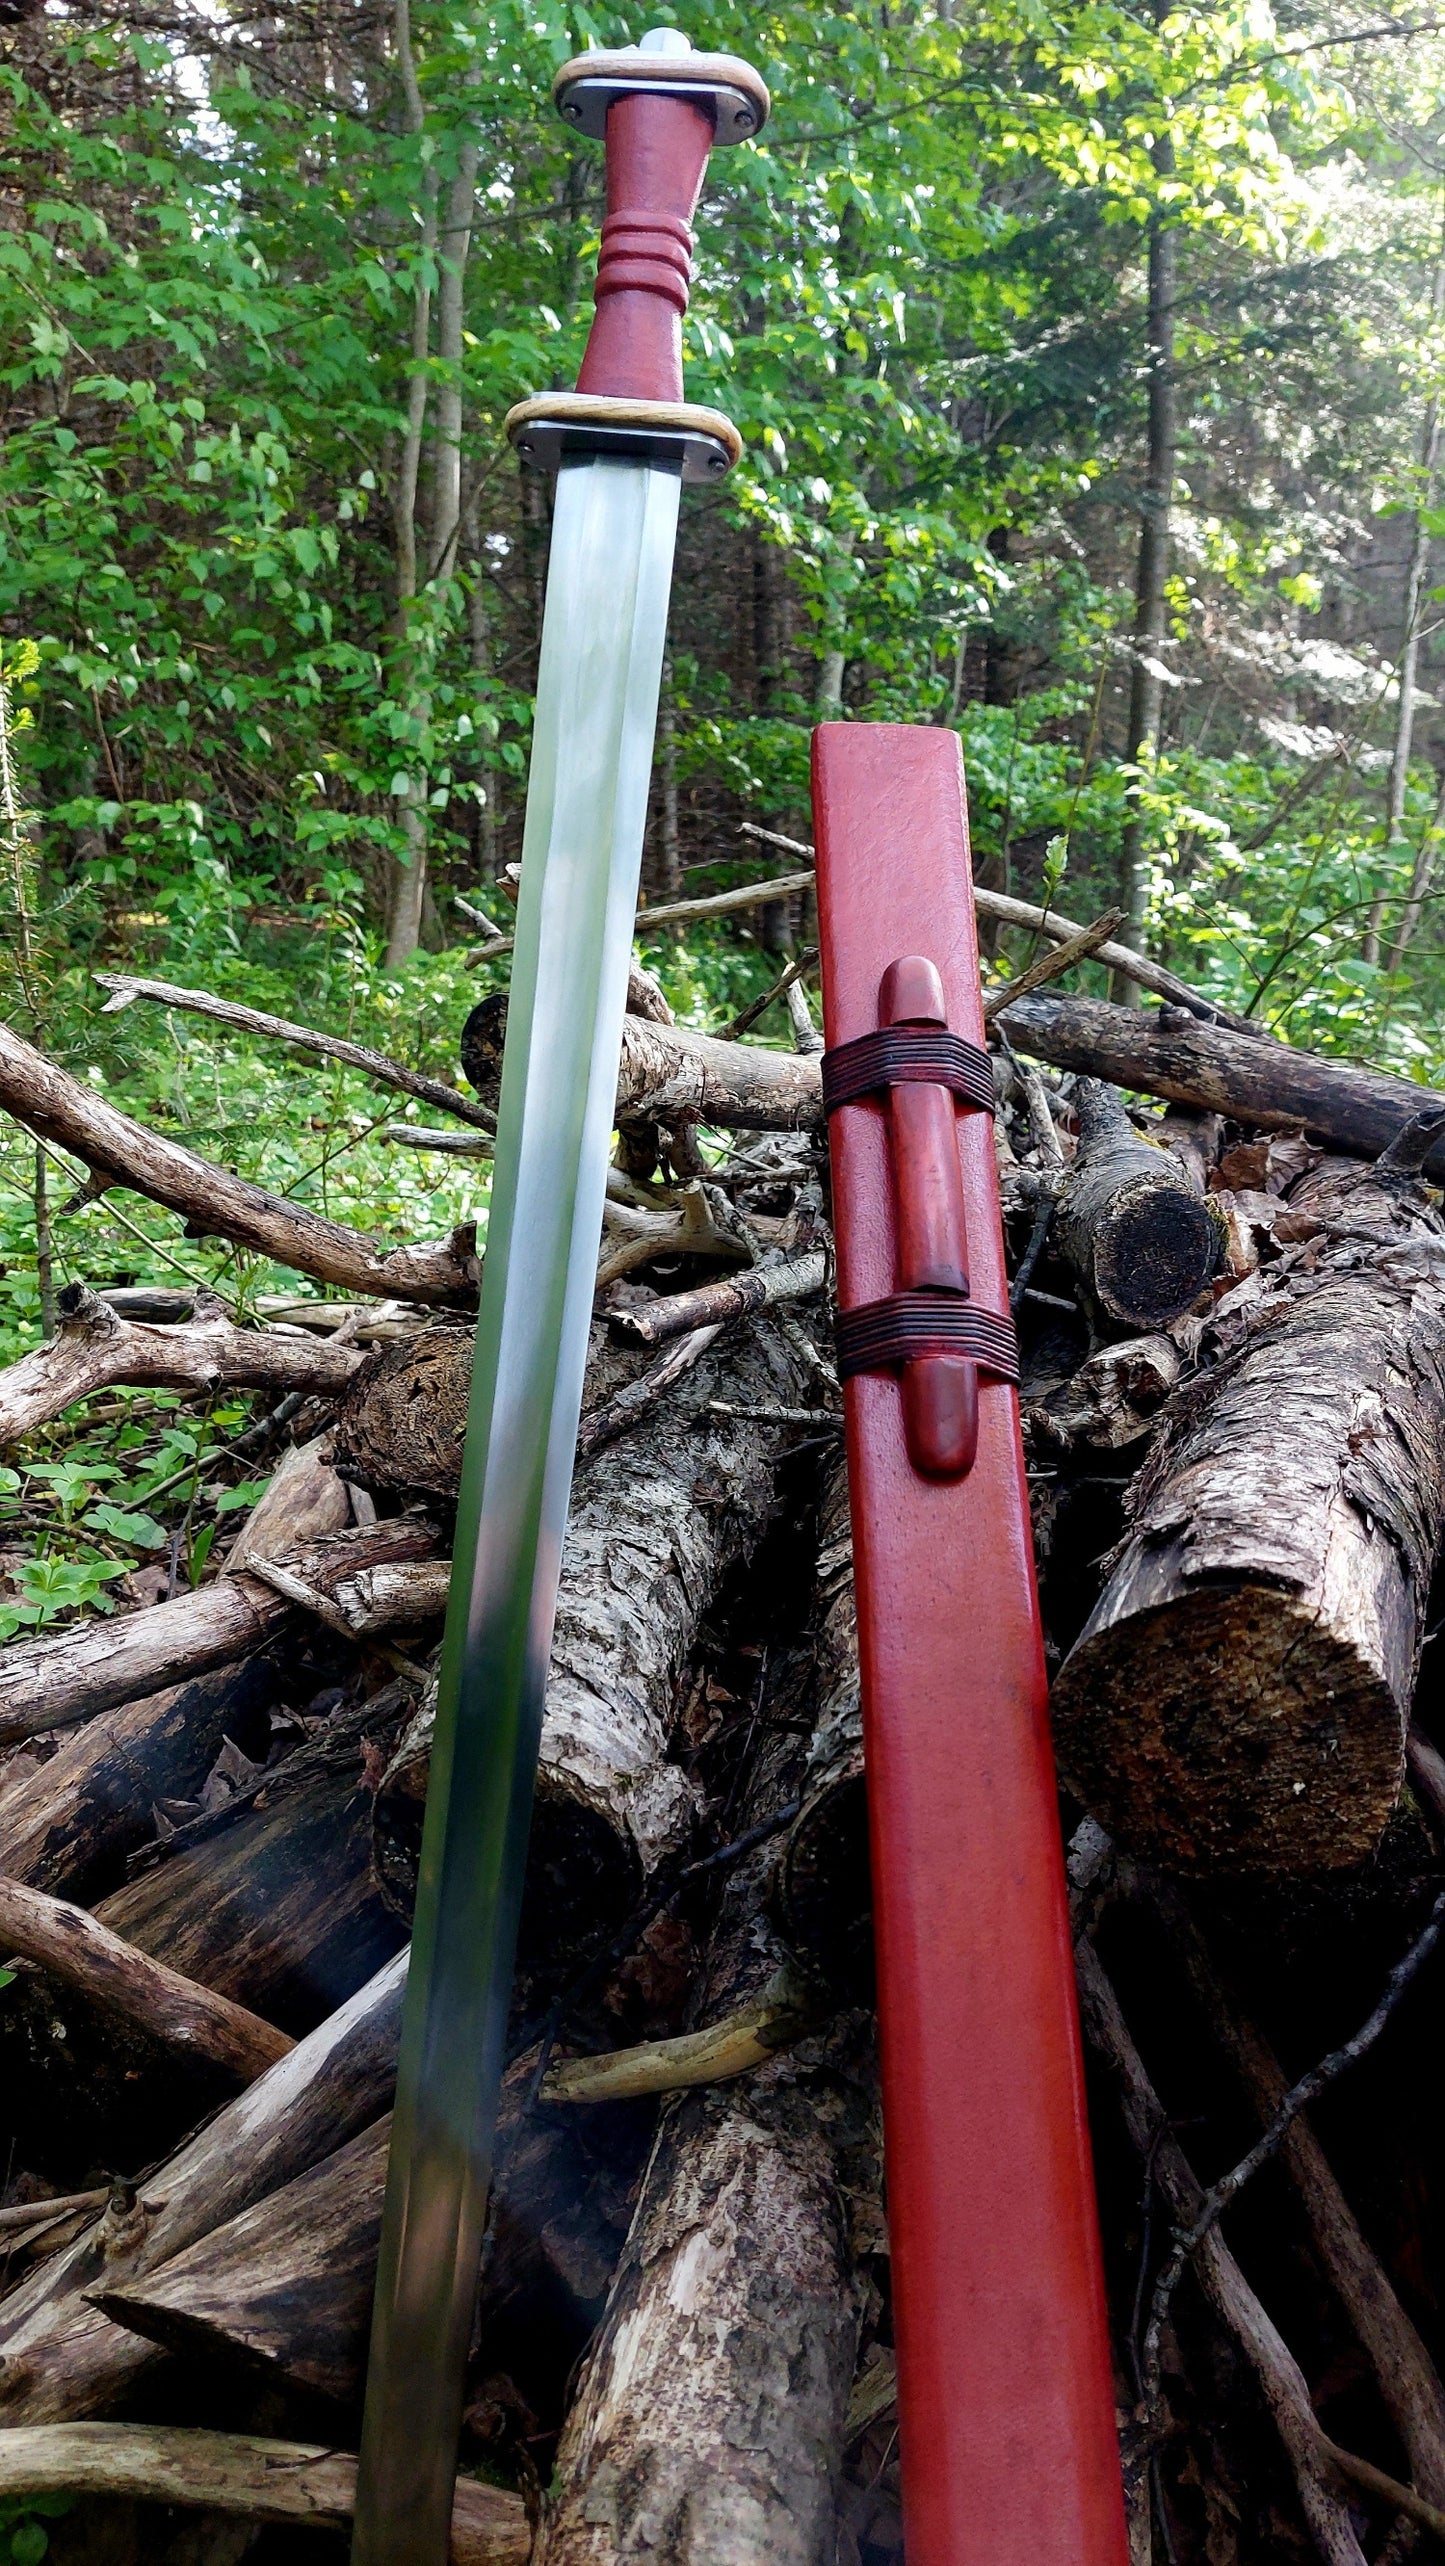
(622, 445)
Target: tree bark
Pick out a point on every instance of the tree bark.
(667, 1071)
(1141, 1238)
(657, 1522)
(824, 1889)
(83, 1952)
(59, 2356)
(708, 2424)
(72, 1674)
(714, 1304)
(212, 1201)
(1191, 1063)
(224, 2472)
(1240, 1695)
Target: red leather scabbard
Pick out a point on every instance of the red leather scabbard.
(1005, 2391)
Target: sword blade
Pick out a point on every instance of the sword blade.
(603, 631)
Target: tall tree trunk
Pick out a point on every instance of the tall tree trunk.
(1146, 681)
(1427, 855)
(408, 879)
(1415, 573)
(666, 866)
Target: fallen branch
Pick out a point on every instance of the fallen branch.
(750, 1015)
(59, 2356)
(376, 1065)
(749, 895)
(1049, 966)
(213, 1202)
(1212, 1066)
(794, 1279)
(667, 1072)
(605, 1423)
(97, 1350)
(232, 2472)
(29, 2214)
(1406, 2376)
(70, 1674)
(1282, 2382)
(1046, 922)
(79, 1950)
(742, 2040)
(1189, 2237)
(422, 1136)
(638, 1237)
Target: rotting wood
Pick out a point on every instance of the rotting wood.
(72, 1674)
(82, 1952)
(305, 1502)
(271, 1900)
(1240, 1695)
(1142, 1240)
(60, 2357)
(1168, 1053)
(301, 2483)
(377, 1065)
(96, 1350)
(823, 1887)
(213, 1202)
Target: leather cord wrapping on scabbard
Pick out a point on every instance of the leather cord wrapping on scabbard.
(904, 1056)
(909, 1324)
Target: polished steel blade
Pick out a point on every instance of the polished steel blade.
(602, 641)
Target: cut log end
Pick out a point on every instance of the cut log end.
(1230, 1730)
(1153, 1253)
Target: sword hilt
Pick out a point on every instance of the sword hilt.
(660, 108)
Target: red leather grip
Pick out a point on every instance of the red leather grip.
(1006, 2393)
(657, 150)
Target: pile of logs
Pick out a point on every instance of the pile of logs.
(1228, 1266)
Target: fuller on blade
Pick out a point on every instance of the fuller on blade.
(623, 444)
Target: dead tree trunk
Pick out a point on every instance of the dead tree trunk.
(1240, 1695)
(1141, 1238)
(1173, 1054)
(823, 1885)
(59, 2355)
(658, 1521)
(708, 2425)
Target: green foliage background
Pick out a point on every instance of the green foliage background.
(921, 297)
